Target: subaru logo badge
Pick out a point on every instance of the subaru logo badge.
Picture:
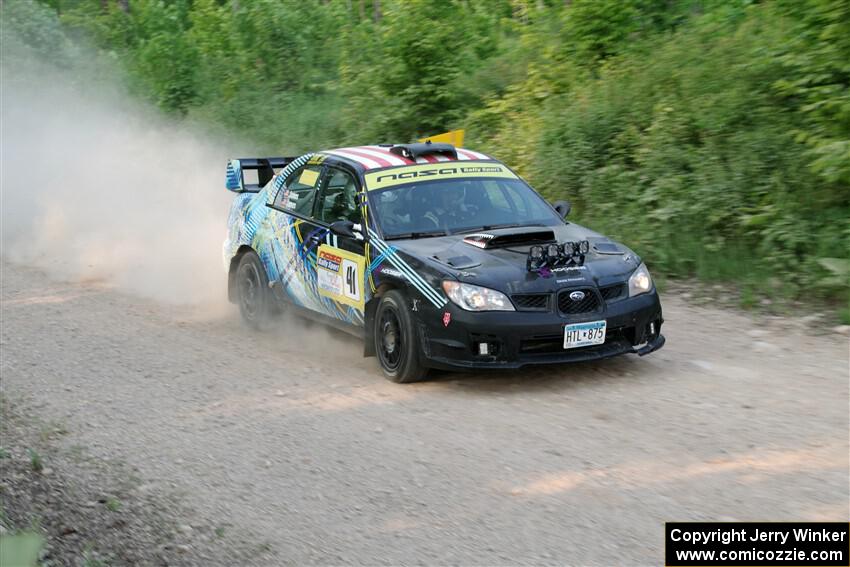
(577, 295)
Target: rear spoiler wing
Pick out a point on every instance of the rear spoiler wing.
(259, 172)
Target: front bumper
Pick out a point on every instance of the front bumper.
(520, 338)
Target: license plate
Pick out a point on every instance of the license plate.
(584, 334)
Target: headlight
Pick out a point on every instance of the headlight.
(640, 282)
(476, 298)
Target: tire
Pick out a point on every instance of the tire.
(396, 346)
(256, 304)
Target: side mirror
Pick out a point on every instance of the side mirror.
(562, 207)
(343, 228)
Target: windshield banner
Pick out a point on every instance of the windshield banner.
(435, 172)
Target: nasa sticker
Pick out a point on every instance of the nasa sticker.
(447, 318)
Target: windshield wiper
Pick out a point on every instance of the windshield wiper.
(414, 235)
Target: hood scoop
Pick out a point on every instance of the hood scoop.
(510, 237)
(458, 262)
(605, 246)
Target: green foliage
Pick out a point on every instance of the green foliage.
(411, 67)
(686, 145)
(713, 136)
(36, 462)
(816, 78)
(593, 30)
(38, 29)
(113, 504)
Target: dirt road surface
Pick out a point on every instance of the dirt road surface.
(296, 444)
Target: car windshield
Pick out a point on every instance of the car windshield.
(436, 208)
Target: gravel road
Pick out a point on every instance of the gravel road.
(296, 445)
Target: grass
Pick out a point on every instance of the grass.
(748, 297)
(77, 453)
(52, 429)
(734, 265)
(36, 462)
(113, 504)
(35, 524)
(89, 558)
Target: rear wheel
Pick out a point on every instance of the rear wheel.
(252, 285)
(395, 340)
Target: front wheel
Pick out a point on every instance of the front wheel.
(255, 302)
(395, 340)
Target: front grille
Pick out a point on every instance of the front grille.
(531, 301)
(613, 292)
(588, 304)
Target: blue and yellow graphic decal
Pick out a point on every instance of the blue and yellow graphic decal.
(391, 255)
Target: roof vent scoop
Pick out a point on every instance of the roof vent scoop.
(413, 151)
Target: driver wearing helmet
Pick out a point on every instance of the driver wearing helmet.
(449, 204)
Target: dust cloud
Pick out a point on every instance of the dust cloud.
(96, 186)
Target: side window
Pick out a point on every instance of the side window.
(299, 190)
(338, 197)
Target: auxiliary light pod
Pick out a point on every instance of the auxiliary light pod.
(557, 255)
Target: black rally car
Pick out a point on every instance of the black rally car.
(440, 257)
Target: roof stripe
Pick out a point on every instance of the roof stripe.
(388, 154)
(364, 161)
(379, 157)
(392, 158)
(383, 160)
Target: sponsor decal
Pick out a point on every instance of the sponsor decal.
(401, 175)
(447, 318)
(569, 268)
(438, 172)
(309, 177)
(329, 261)
(391, 272)
(339, 275)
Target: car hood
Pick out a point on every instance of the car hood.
(503, 266)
